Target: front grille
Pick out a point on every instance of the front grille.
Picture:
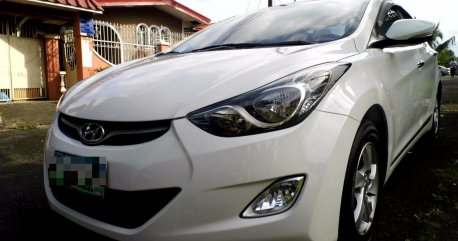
(116, 133)
(126, 209)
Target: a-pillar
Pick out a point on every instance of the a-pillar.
(52, 66)
(83, 50)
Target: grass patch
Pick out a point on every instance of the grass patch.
(438, 220)
(26, 126)
(30, 126)
(431, 222)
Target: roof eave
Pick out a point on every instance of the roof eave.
(57, 6)
(178, 6)
(184, 9)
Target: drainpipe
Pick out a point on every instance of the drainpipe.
(19, 26)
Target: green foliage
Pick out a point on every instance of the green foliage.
(445, 56)
(100, 69)
(437, 37)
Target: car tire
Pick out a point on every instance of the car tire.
(362, 186)
(433, 134)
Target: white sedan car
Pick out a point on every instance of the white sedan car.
(444, 70)
(280, 124)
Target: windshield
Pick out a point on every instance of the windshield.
(309, 22)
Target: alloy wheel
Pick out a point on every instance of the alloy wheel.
(365, 188)
(436, 118)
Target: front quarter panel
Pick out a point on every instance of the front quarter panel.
(359, 88)
(364, 85)
(391, 79)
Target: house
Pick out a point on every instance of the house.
(47, 46)
(31, 59)
(168, 13)
(129, 30)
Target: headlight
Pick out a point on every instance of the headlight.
(278, 105)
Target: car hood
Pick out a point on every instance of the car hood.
(171, 86)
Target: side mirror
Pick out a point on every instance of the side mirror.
(405, 29)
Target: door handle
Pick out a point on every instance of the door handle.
(420, 63)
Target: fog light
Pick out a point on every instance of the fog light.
(278, 198)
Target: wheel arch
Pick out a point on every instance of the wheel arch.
(376, 114)
(373, 117)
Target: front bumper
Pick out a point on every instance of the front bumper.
(219, 177)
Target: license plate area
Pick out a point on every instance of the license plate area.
(87, 175)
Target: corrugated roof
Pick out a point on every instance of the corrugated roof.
(85, 4)
(178, 9)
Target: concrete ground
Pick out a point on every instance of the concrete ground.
(24, 210)
(27, 114)
(420, 202)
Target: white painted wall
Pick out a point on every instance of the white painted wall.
(22, 67)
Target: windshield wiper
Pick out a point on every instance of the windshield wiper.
(167, 53)
(228, 46)
(249, 45)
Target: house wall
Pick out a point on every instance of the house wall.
(98, 66)
(22, 72)
(5, 68)
(136, 15)
(52, 68)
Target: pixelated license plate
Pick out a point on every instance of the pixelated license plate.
(84, 174)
